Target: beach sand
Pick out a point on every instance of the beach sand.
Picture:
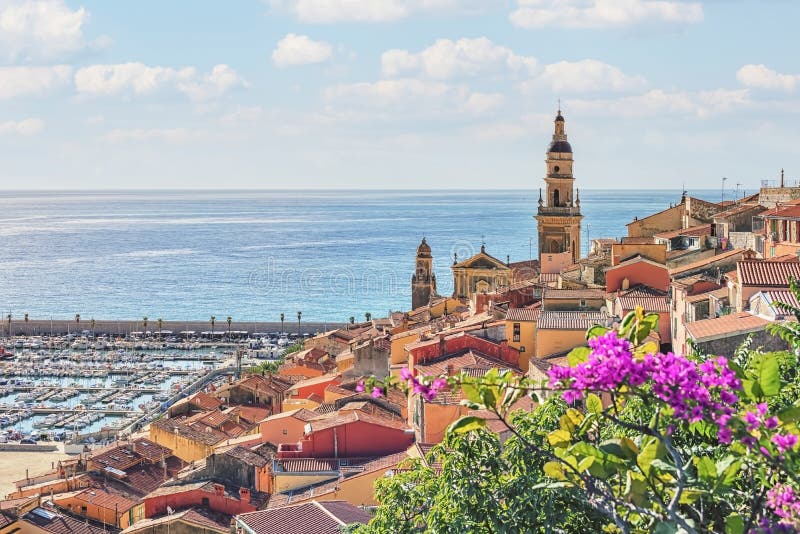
(13, 465)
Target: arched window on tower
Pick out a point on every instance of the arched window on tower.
(555, 198)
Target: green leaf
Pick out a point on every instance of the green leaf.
(636, 488)
(706, 469)
(790, 415)
(594, 404)
(690, 496)
(559, 438)
(488, 397)
(554, 470)
(578, 355)
(466, 424)
(651, 451)
(666, 528)
(471, 392)
(734, 524)
(585, 464)
(769, 376)
(596, 331)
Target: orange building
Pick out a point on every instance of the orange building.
(107, 508)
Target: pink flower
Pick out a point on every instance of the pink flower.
(360, 387)
(784, 442)
(377, 392)
(405, 373)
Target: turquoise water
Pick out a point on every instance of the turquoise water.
(256, 254)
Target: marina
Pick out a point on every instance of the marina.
(61, 389)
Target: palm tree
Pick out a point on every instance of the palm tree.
(282, 318)
(92, 322)
(160, 322)
(77, 321)
(352, 320)
(8, 317)
(144, 322)
(368, 316)
(299, 314)
(26, 323)
(229, 320)
(213, 322)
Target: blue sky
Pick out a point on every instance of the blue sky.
(396, 93)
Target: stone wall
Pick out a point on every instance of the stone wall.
(727, 346)
(769, 197)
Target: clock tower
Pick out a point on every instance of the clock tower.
(559, 216)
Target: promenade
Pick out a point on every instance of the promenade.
(39, 327)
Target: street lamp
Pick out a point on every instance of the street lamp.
(722, 199)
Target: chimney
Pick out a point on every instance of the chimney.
(450, 369)
(442, 345)
(244, 495)
(219, 490)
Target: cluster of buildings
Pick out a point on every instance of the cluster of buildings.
(300, 450)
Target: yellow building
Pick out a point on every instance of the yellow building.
(482, 273)
(521, 333)
(559, 215)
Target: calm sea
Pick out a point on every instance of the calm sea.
(255, 254)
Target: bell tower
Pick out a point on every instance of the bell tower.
(559, 214)
(423, 281)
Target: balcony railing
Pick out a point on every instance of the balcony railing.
(559, 210)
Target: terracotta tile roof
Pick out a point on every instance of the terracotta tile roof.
(550, 294)
(641, 290)
(648, 304)
(306, 518)
(103, 499)
(725, 326)
(336, 419)
(523, 314)
(739, 208)
(570, 320)
(638, 258)
(201, 435)
(762, 273)
(789, 210)
(305, 465)
(247, 456)
(118, 457)
(150, 450)
(325, 408)
(204, 401)
(172, 490)
(692, 231)
(705, 262)
(252, 414)
(784, 296)
(470, 361)
(145, 478)
(205, 519)
(699, 297)
(48, 520)
(301, 413)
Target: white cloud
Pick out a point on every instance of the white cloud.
(33, 81)
(447, 59)
(140, 79)
(603, 13)
(168, 135)
(243, 114)
(588, 75)
(409, 97)
(663, 103)
(300, 50)
(331, 11)
(762, 77)
(40, 29)
(26, 127)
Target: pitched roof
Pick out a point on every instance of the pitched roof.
(550, 294)
(150, 450)
(196, 517)
(647, 303)
(305, 465)
(570, 320)
(103, 499)
(301, 413)
(471, 362)
(706, 262)
(337, 419)
(725, 326)
(204, 401)
(59, 523)
(247, 456)
(523, 314)
(784, 295)
(306, 518)
(762, 273)
(692, 231)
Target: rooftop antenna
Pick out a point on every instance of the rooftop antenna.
(737, 190)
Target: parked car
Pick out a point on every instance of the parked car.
(27, 441)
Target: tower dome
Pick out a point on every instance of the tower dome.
(560, 146)
(424, 250)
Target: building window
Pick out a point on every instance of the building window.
(583, 303)
(205, 501)
(522, 349)
(285, 432)
(516, 332)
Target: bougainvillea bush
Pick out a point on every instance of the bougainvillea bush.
(623, 439)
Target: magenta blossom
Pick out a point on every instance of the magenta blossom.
(360, 387)
(784, 442)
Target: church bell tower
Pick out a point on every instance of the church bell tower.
(423, 281)
(559, 215)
